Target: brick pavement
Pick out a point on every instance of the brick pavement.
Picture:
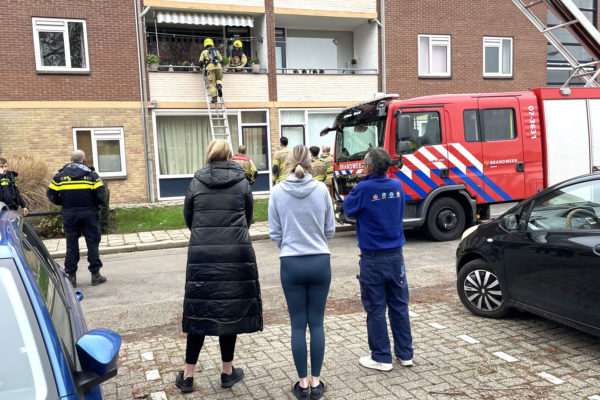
(446, 366)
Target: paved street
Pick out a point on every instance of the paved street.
(457, 355)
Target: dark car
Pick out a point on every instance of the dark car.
(541, 256)
(46, 349)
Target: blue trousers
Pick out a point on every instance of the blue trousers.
(383, 285)
(305, 281)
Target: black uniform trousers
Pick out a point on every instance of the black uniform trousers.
(76, 222)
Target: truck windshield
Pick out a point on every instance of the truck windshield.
(353, 141)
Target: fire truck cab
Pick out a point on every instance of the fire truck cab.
(457, 154)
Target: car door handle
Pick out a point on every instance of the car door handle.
(520, 167)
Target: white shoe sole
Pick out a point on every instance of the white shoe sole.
(375, 365)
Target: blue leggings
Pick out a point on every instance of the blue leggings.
(305, 281)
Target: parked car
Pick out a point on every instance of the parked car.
(46, 350)
(541, 256)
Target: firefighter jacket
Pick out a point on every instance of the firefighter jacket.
(328, 160)
(247, 165)
(9, 191)
(211, 59)
(238, 59)
(318, 169)
(76, 186)
(280, 171)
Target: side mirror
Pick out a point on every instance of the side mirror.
(510, 222)
(402, 128)
(98, 351)
(78, 294)
(402, 147)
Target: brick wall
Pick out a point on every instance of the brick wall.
(467, 22)
(112, 51)
(49, 134)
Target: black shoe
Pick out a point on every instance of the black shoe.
(214, 100)
(97, 279)
(186, 385)
(220, 89)
(317, 392)
(236, 375)
(73, 279)
(300, 392)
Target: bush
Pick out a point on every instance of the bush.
(152, 59)
(105, 212)
(49, 227)
(33, 180)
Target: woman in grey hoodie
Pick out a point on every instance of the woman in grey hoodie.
(301, 223)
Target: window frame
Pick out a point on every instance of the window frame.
(500, 39)
(480, 123)
(448, 45)
(53, 25)
(105, 133)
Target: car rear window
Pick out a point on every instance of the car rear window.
(25, 371)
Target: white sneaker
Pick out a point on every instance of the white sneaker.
(406, 363)
(368, 362)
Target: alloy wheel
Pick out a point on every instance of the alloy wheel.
(482, 290)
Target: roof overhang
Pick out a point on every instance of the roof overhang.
(177, 17)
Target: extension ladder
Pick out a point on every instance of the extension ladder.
(217, 115)
(572, 19)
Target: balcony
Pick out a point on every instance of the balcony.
(210, 5)
(357, 8)
(325, 88)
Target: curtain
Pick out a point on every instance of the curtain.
(294, 134)
(506, 61)
(316, 123)
(292, 118)
(424, 55)
(233, 131)
(182, 143)
(255, 139)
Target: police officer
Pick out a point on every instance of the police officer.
(246, 163)
(328, 160)
(211, 59)
(80, 192)
(279, 161)
(318, 169)
(9, 191)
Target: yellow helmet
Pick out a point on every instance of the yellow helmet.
(237, 43)
(208, 42)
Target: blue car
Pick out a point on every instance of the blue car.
(46, 349)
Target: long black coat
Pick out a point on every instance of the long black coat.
(222, 293)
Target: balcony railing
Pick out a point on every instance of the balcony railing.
(326, 71)
(198, 69)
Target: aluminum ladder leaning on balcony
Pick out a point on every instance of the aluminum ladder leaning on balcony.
(219, 125)
(571, 18)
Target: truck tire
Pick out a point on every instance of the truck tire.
(445, 220)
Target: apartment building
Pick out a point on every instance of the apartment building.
(72, 78)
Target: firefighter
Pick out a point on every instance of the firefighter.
(80, 192)
(246, 163)
(328, 160)
(238, 58)
(9, 191)
(279, 162)
(211, 59)
(318, 169)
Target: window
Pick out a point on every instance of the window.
(496, 124)
(305, 126)
(254, 137)
(104, 150)
(497, 57)
(60, 45)
(572, 207)
(424, 129)
(434, 55)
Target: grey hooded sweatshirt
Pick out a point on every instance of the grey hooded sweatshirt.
(301, 218)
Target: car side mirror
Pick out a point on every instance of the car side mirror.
(402, 127)
(510, 222)
(98, 351)
(402, 147)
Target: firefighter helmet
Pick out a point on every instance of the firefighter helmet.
(237, 43)
(208, 42)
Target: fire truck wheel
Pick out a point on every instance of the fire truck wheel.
(481, 290)
(445, 220)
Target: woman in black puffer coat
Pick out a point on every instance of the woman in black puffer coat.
(222, 293)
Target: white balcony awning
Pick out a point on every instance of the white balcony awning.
(203, 19)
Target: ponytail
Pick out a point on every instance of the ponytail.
(299, 161)
(299, 171)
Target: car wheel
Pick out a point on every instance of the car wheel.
(481, 290)
(445, 220)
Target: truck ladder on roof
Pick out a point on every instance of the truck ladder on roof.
(217, 115)
(572, 19)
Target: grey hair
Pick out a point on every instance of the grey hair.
(78, 156)
(378, 160)
(299, 160)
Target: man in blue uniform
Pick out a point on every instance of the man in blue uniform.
(80, 192)
(378, 205)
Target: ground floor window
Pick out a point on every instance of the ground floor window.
(305, 126)
(104, 149)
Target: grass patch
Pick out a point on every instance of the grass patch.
(128, 220)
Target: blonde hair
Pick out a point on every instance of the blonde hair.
(218, 150)
(299, 160)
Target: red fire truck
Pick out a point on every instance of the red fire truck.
(458, 154)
